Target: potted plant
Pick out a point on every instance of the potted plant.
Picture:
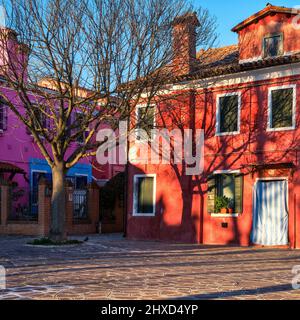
(222, 203)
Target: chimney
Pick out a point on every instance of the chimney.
(184, 43)
(13, 55)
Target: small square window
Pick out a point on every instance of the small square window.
(273, 46)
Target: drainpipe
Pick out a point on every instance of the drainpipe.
(295, 223)
(126, 182)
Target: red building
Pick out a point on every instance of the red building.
(246, 98)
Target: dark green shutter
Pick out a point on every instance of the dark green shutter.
(211, 193)
(238, 181)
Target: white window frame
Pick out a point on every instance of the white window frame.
(290, 86)
(228, 94)
(135, 212)
(216, 172)
(226, 215)
(138, 106)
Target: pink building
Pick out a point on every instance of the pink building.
(20, 158)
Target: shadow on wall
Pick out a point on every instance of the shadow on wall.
(181, 210)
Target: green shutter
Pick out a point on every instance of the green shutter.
(238, 181)
(211, 193)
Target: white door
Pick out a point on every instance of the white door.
(270, 213)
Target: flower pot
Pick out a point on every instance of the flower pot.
(230, 210)
(224, 210)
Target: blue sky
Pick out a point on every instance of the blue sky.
(231, 12)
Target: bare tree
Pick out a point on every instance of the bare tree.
(72, 67)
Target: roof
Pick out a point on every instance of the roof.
(229, 64)
(215, 57)
(268, 10)
(11, 168)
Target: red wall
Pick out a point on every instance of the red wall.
(251, 37)
(175, 220)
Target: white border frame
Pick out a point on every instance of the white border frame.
(228, 94)
(134, 209)
(270, 89)
(226, 215)
(226, 171)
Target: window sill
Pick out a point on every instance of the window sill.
(225, 215)
(280, 129)
(134, 214)
(224, 134)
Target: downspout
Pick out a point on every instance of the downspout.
(295, 222)
(126, 182)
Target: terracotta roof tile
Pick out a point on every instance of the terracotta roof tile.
(218, 56)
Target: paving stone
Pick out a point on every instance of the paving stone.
(111, 267)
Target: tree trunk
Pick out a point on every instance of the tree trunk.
(58, 208)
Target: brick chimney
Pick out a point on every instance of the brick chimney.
(184, 43)
(13, 54)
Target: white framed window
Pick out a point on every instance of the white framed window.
(282, 108)
(225, 193)
(228, 113)
(144, 194)
(145, 121)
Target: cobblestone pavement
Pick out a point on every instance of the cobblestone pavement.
(110, 267)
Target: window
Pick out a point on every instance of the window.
(228, 113)
(144, 195)
(80, 118)
(225, 190)
(35, 178)
(81, 182)
(273, 46)
(3, 116)
(40, 117)
(145, 117)
(281, 109)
